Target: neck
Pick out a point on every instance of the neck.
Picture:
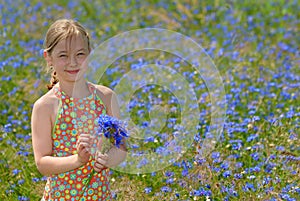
(78, 89)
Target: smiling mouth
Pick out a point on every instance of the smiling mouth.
(72, 71)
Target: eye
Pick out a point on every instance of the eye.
(80, 54)
(62, 56)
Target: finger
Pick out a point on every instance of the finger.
(84, 144)
(100, 161)
(82, 147)
(99, 144)
(81, 138)
(84, 153)
(102, 156)
(99, 165)
(97, 169)
(84, 135)
(86, 140)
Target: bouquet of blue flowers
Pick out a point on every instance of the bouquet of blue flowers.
(112, 131)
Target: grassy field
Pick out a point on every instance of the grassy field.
(255, 47)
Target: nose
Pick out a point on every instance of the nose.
(73, 61)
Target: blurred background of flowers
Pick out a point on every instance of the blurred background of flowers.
(254, 46)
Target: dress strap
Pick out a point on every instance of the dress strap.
(98, 101)
(57, 91)
(92, 88)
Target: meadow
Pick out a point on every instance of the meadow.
(254, 46)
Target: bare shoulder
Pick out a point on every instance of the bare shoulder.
(110, 100)
(106, 91)
(46, 103)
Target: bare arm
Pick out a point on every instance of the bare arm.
(42, 144)
(115, 155)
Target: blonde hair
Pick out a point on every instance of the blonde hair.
(60, 30)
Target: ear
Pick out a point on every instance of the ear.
(47, 58)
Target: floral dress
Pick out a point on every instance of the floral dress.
(74, 117)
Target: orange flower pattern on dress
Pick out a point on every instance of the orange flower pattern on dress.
(76, 116)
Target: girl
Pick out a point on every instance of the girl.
(63, 120)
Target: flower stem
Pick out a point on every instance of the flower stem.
(87, 182)
(106, 145)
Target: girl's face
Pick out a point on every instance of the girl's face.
(67, 58)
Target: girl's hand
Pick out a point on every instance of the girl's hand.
(100, 161)
(83, 146)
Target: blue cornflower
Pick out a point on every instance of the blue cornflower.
(215, 155)
(255, 156)
(266, 180)
(143, 162)
(224, 165)
(227, 173)
(184, 172)
(269, 167)
(149, 139)
(169, 174)
(252, 137)
(256, 118)
(112, 129)
(236, 144)
(23, 198)
(21, 181)
(216, 169)
(249, 186)
(16, 171)
(239, 165)
(200, 192)
(199, 160)
(170, 181)
(283, 46)
(7, 128)
(238, 176)
(35, 179)
(218, 160)
(272, 199)
(280, 148)
(148, 190)
(166, 189)
(285, 196)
